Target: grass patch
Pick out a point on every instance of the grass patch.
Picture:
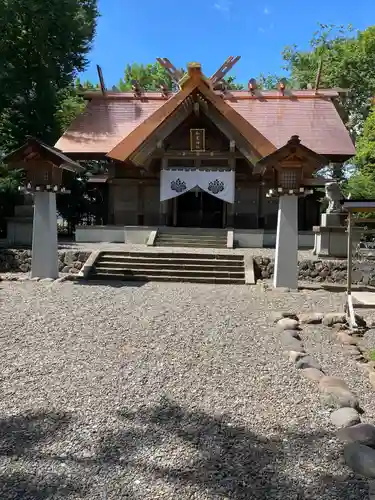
(371, 355)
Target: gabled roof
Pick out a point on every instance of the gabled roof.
(293, 148)
(116, 124)
(134, 140)
(34, 146)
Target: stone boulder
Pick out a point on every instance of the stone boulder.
(360, 433)
(278, 315)
(361, 459)
(311, 318)
(287, 324)
(346, 339)
(307, 362)
(295, 355)
(331, 319)
(291, 343)
(312, 374)
(345, 417)
(336, 393)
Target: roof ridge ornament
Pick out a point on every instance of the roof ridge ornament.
(194, 71)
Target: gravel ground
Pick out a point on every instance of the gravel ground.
(164, 391)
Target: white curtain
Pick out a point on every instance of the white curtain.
(176, 182)
(219, 183)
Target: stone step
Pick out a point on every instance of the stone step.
(179, 244)
(170, 266)
(191, 243)
(183, 241)
(99, 269)
(146, 264)
(192, 236)
(196, 232)
(177, 279)
(115, 254)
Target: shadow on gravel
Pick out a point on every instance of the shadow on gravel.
(22, 432)
(228, 461)
(233, 462)
(31, 487)
(18, 436)
(111, 284)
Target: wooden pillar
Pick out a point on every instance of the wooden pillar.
(174, 201)
(225, 204)
(163, 204)
(231, 206)
(140, 216)
(260, 218)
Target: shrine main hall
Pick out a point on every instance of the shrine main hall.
(188, 159)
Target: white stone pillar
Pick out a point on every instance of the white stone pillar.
(286, 259)
(44, 262)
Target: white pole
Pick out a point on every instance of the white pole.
(44, 262)
(286, 259)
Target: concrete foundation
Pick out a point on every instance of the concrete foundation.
(44, 262)
(331, 237)
(286, 258)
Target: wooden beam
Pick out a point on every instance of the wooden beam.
(224, 69)
(191, 155)
(231, 134)
(173, 72)
(318, 75)
(130, 144)
(101, 79)
(260, 145)
(151, 143)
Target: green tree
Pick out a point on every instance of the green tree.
(270, 81)
(365, 158)
(362, 183)
(231, 84)
(43, 45)
(348, 62)
(152, 76)
(9, 194)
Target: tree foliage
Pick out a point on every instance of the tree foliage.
(348, 62)
(365, 158)
(9, 194)
(43, 45)
(362, 183)
(152, 76)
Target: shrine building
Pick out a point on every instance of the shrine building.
(187, 159)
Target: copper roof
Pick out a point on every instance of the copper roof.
(109, 120)
(33, 147)
(135, 139)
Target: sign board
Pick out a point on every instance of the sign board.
(197, 139)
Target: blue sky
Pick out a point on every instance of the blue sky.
(209, 31)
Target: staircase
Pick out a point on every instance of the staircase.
(162, 266)
(216, 238)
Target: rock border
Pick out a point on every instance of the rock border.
(358, 438)
(319, 271)
(19, 260)
(23, 278)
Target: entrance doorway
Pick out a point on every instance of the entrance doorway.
(199, 209)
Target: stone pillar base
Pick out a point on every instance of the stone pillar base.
(286, 259)
(44, 262)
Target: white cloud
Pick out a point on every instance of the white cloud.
(223, 5)
(266, 11)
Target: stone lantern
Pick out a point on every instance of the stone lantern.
(290, 170)
(45, 170)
